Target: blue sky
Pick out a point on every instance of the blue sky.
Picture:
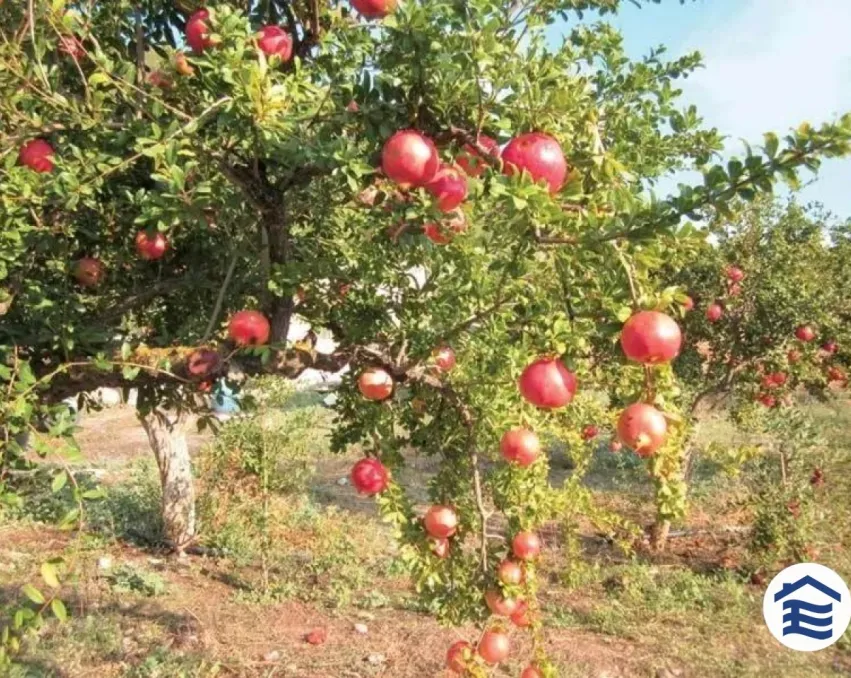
(769, 65)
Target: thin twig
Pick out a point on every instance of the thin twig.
(220, 298)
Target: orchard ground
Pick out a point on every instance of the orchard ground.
(691, 612)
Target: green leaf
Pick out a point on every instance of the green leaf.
(59, 610)
(129, 372)
(48, 573)
(623, 314)
(771, 144)
(59, 481)
(98, 78)
(33, 594)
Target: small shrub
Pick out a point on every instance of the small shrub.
(253, 460)
(36, 499)
(132, 509)
(129, 579)
(164, 664)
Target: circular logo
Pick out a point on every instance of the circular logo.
(807, 607)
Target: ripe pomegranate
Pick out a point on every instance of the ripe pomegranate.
(510, 572)
(531, 671)
(444, 358)
(526, 545)
(440, 522)
(202, 362)
(471, 161)
(151, 248)
(88, 271)
(735, 274)
(590, 432)
(159, 79)
(205, 386)
(768, 381)
(72, 47)
(500, 605)
(547, 383)
(36, 154)
(374, 9)
(643, 428)
(444, 232)
(521, 617)
(714, 313)
(375, 384)
(836, 374)
(182, 65)
(805, 333)
(494, 646)
(520, 445)
(615, 445)
(793, 356)
(369, 476)
(449, 187)
(249, 328)
(778, 378)
(198, 32)
(459, 656)
(768, 400)
(830, 346)
(274, 40)
(651, 337)
(440, 548)
(538, 154)
(410, 158)
(688, 304)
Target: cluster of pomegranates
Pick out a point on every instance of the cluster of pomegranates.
(271, 40)
(370, 477)
(411, 160)
(648, 337)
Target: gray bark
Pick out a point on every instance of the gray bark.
(167, 435)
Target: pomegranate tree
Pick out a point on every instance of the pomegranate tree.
(260, 199)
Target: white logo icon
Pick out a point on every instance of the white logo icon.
(807, 607)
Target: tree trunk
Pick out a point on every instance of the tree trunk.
(167, 435)
(659, 535)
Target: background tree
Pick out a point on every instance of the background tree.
(150, 194)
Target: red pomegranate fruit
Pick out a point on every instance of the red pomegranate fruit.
(643, 428)
(410, 158)
(547, 383)
(471, 161)
(520, 446)
(369, 476)
(275, 41)
(538, 154)
(375, 384)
